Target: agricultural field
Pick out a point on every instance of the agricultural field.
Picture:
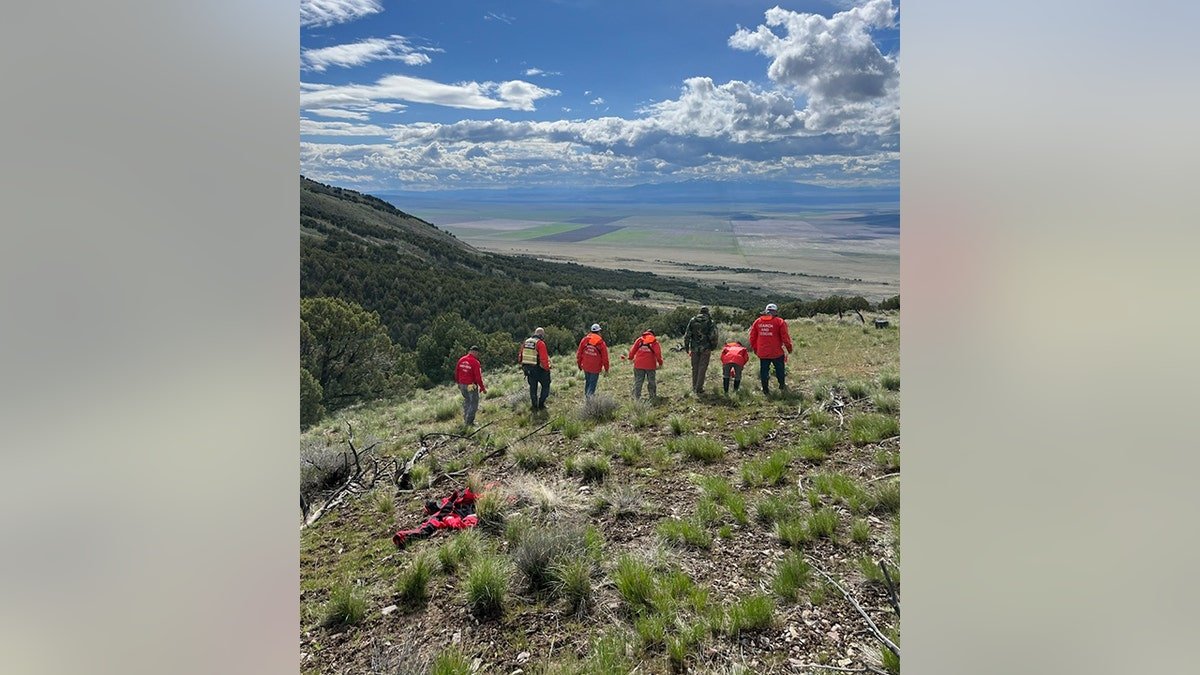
(711, 533)
(806, 254)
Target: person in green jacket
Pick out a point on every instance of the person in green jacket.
(699, 339)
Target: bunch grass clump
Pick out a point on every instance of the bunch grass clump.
(773, 509)
(792, 532)
(890, 381)
(822, 523)
(631, 449)
(791, 576)
(873, 427)
(450, 662)
(413, 583)
(346, 605)
(461, 551)
(754, 614)
(593, 468)
(699, 448)
(530, 458)
(771, 470)
(685, 532)
(486, 585)
(634, 580)
(887, 404)
(489, 508)
(679, 425)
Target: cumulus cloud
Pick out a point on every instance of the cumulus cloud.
(514, 94)
(831, 61)
(392, 48)
(330, 12)
(538, 72)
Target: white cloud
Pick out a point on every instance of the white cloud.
(833, 62)
(344, 114)
(499, 17)
(330, 12)
(392, 48)
(598, 101)
(536, 72)
(323, 128)
(514, 94)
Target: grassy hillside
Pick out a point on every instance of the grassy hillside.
(362, 249)
(691, 534)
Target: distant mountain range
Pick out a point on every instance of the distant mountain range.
(699, 192)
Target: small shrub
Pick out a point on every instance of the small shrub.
(346, 606)
(599, 408)
(890, 381)
(530, 459)
(679, 425)
(593, 468)
(489, 508)
(635, 583)
(630, 449)
(792, 532)
(887, 404)
(860, 531)
(791, 576)
(413, 584)
(697, 447)
(686, 533)
(870, 428)
(823, 523)
(486, 585)
(772, 509)
(450, 662)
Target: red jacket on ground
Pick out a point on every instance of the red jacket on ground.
(543, 356)
(769, 336)
(735, 353)
(469, 371)
(646, 353)
(592, 355)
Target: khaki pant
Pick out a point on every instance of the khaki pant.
(699, 369)
(647, 375)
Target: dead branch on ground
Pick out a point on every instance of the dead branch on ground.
(862, 612)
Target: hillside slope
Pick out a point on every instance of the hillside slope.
(689, 535)
(360, 248)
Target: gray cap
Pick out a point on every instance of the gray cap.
(596, 328)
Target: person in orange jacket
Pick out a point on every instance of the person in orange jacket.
(734, 357)
(768, 338)
(647, 357)
(592, 357)
(535, 361)
(469, 376)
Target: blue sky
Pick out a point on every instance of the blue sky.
(407, 95)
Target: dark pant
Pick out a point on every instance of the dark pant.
(538, 376)
(470, 402)
(699, 368)
(764, 371)
(589, 382)
(731, 371)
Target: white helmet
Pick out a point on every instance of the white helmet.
(595, 328)
(772, 308)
